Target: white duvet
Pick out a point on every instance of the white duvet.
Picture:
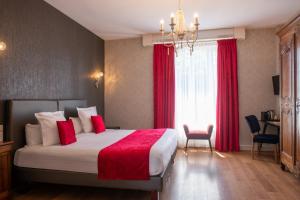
(82, 156)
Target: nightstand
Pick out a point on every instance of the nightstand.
(5, 169)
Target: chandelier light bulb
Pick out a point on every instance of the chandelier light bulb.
(162, 25)
(196, 18)
(172, 18)
(2, 46)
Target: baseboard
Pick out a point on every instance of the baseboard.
(265, 147)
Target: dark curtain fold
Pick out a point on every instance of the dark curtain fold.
(227, 117)
(164, 86)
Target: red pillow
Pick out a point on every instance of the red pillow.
(66, 132)
(98, 124)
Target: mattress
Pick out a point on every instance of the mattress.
(82, 156)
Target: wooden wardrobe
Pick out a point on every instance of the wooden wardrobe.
(290, 96)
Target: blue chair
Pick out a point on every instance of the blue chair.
(261, 138)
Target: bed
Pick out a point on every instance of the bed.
(76, 164)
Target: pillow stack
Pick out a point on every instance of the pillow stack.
(48, 120)
(53, 128)
(33, 134)
(85, 115)
(90, 120)
(77, 124)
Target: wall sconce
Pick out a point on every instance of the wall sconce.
(2, 46)
(97, 78)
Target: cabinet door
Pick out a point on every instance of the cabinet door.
(297, 81)
(287, 101)
(4, 174)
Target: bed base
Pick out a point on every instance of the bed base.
(154, 185)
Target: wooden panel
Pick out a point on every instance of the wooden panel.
(289, 27)
(297, 143)
(287, 100)
(5, 169)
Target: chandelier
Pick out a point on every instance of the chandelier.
(180, 36)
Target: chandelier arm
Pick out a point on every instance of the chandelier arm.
(196, 38)
(193, 40)
(162, 37)
(165, 43)
(190, 44)
(174, 41)
(175, 38)
(188, 39)
(196, 35)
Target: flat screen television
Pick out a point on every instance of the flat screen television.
(276, 84)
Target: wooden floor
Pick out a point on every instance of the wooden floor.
(197, 175)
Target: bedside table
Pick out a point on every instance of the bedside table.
(5, 169)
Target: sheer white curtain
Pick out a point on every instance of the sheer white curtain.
(196, 90)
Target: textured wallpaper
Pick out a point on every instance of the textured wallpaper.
(129, 84)
(48, 55)
(257, 62)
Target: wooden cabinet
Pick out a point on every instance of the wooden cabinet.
(287, 100)
(297, 137)
(5, 169)
(290, 95)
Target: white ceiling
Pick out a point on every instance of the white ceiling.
(116, 19)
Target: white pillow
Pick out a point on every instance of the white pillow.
(33, 134)
(48, 124)
(77, 124)
(85, 118)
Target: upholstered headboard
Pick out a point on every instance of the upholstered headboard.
(69, 106)
(21, 112)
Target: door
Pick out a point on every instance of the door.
(287, 101)
(297, 82)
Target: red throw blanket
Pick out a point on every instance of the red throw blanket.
(128, 159)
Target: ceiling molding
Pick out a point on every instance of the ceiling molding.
(203, 35)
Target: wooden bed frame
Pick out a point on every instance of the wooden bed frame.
(20, 112)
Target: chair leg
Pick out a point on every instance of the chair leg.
(186, 144)
(259, 147)
(210, 145)
(252, 151)
(275, 152)
(278, 151)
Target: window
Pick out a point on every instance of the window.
(196, 89)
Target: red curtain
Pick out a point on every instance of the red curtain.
(164, 86)
(227, 118)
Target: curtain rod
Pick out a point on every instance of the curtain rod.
(200, 40)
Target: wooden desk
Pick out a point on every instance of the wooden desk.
(5, 169)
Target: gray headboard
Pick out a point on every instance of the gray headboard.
(69, 106)
(21, 112)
